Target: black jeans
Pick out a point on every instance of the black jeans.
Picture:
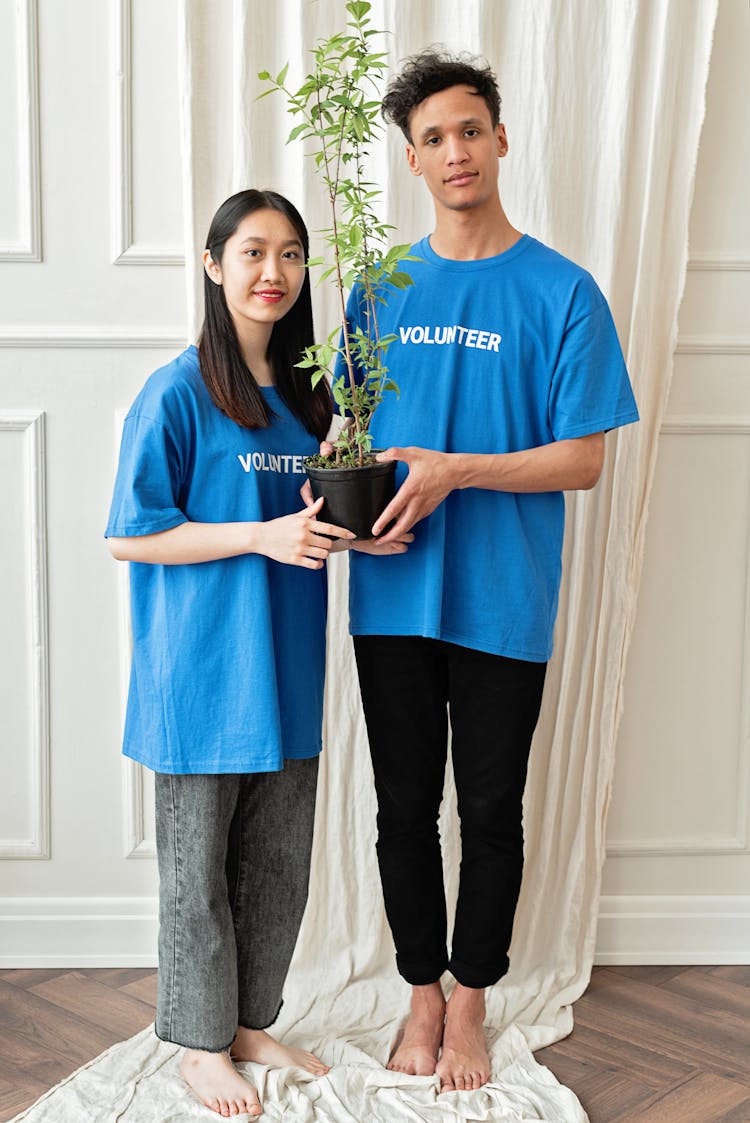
(409, 686)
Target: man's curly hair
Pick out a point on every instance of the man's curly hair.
(430, 71)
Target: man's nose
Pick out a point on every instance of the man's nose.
(457, 153)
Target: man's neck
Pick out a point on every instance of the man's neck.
(473, 234)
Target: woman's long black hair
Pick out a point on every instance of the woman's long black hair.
(226, 375)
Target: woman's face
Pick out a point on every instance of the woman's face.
(262, 271)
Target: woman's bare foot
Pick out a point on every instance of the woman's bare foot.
(417, 1051)
(257, 1045)
(218, 1084)
(464, 1063)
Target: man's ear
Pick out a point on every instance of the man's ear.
(213, 270)
(412, 161)
(502, 140)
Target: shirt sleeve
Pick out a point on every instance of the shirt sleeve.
(590, 390)
(147, 484)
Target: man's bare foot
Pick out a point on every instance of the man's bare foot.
(417, 1051)
(464, 1063)
(257, 1045)
(218, 1084)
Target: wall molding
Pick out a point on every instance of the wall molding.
(713, 345)
(78, 932)
(29, 246)
(136, 843)
(125, 250)
(718, 263)
(31, 424)
(80, 335)
(688, 425)
(673, 929)
(697, 424)
(122, 931)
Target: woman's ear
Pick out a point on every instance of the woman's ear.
(212, 269)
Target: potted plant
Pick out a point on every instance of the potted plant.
(338, 105)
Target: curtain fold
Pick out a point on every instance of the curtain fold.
(603, 104)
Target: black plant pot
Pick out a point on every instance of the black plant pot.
(354, 497)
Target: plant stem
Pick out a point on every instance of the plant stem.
(333, 194)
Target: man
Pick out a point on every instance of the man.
(510, 373)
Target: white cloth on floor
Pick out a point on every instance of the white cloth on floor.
(138, 1081)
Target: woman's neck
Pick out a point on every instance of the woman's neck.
(254, 349)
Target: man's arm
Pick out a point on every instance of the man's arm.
(570, 465)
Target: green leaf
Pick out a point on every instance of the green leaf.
(400, 280)
(358, 9)
(264, 76)
(281, 76)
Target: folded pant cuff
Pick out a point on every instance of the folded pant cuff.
(478, 976)
(424, 973)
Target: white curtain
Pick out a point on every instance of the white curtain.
(603, 104)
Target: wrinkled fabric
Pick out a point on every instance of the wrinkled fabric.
(139, 1082)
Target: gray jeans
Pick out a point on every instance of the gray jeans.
(234, 865)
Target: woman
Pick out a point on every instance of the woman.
(228, 595)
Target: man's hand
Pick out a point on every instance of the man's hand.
(430, 480)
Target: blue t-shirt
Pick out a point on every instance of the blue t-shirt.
(228, 656)
(497, 355)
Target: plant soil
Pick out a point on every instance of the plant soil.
(318, 461)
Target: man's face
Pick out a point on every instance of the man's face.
(455, 148)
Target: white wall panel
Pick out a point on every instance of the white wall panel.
(79, 337)
(147, 192)
(137, 781)
(675, 882)
(20, 204)
(682, 783)
(75, 288)
(716, 304)
(720, 218)
(24, 697)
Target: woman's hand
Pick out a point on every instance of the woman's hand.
(299, 539)
(382, 549)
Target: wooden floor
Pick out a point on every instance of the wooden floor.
(651, 1044)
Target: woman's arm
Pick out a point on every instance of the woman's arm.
(296, 539)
